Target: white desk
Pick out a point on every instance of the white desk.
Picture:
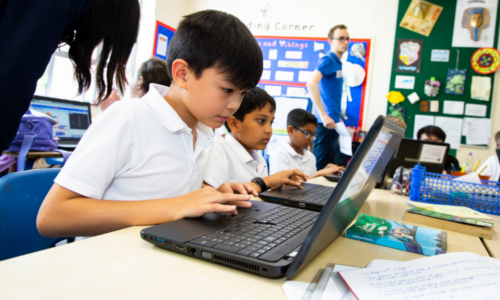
(121, 265)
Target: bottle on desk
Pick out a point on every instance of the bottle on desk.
(469, 163)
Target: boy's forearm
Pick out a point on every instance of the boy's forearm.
(87, 217)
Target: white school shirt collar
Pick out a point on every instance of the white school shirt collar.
(254, 159)
(293, 153)
(170, 118)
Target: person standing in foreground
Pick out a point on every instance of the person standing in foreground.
(30, 32)
(325, 87)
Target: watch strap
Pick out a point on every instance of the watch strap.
(261, 183)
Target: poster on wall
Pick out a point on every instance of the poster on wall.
(409, 55)
(474, 25)
(290, 61)
(421, 17)
(163, 36)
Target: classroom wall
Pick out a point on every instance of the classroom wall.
(170, 12)
(366, 19)
(145, 39)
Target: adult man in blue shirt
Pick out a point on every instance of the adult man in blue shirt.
(325, 87)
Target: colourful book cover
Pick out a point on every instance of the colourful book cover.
(398, 235)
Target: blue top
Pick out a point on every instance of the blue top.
(30, 31)
(330, 86)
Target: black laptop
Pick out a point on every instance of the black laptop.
(72, 117)
(411, 152)
(272, 240)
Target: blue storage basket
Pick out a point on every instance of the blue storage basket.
(436, 188)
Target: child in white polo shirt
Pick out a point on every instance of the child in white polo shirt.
(146, 158)
(301, 128)
(234, 157)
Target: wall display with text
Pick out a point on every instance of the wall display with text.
(290, 61)
(163, 36)
(461, 86)
(409, 58)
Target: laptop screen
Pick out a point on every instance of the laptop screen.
(72, 117)
(353, 189)
(431, 155)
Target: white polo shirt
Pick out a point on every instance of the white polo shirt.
(284, 157)
(138, 150)
(230, 162)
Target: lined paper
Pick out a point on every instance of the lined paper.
(456, 275)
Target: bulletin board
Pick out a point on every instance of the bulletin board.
(440, 38)
(163, 36)
(290, 61)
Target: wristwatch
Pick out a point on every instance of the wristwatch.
(261, 183)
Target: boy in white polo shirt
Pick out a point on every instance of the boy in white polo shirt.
(234, 157)
(301, 128)
(147, 158)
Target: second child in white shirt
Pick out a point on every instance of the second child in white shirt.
(301, 128)
(235, 157)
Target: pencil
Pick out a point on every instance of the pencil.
(482, 170)
(475, 167)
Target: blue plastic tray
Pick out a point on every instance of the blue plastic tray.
(436, 188)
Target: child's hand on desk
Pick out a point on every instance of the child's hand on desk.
(332, 169)
(237, 188)
(209, 200)
(287, 177)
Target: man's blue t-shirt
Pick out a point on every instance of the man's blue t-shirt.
(330, 86)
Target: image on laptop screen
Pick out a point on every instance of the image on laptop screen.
(72, 118)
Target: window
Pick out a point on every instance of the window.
(58, 81)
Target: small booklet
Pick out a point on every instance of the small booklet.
(457, 211)
(398, 235)
(447, 217)
(458, 275)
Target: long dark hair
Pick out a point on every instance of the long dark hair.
(116, 24)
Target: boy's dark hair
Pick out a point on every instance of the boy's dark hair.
(115, 23)
(213, 38)
(255, 98)
(332, 31)
(432, 130)
(154, 70)
(299, 117)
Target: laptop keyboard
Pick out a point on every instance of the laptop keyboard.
(319, 194)
(261, 233)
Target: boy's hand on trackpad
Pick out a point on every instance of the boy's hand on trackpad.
(209, 200)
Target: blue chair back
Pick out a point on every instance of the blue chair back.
(21, 195)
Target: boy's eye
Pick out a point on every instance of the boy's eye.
(227, 91)
(261, 121)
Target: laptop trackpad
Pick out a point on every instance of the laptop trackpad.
(184, 230)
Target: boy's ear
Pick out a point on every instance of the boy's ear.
(233, 124)
(180, 72)
(290, 129)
